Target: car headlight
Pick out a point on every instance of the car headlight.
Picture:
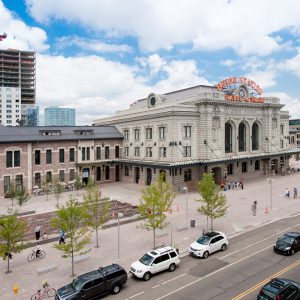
(139, 271)
(288, 248)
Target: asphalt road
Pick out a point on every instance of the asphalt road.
(235, 274)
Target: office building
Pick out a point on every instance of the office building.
(57, 116)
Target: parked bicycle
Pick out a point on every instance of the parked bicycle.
(45, 291)
(34, 255)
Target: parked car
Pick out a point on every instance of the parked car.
(93, 284)
(209, 243)
(157, 260)
(288, 244)
(280, 288)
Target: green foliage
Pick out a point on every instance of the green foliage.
(213, 201)
(11, 193)
(58, 189)
(47, 186)
(97, 209)
(90, 184)
(12, 231)
(72, 218)
(156, 200)
(22, 196)
(77, 183)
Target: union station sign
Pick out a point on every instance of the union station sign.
(241, 89)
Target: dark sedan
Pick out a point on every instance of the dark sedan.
(288, 244)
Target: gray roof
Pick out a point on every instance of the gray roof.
(57, 133)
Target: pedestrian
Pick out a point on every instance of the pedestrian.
(45, 236)
(242, 185)
(254, 207)
(286, 192)
(295, 193)
(37, 231)
(61, 237)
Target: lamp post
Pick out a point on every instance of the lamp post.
(270, 181)
(186, 201)
(225, 175)
(272, 167)
(120, 215)
(281, 165)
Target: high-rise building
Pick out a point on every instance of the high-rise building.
(17, 85)
(57, 116)
(32, 116)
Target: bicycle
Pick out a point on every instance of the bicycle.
(46, 290)
(33, 255)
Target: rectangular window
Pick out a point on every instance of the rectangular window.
(83, 153)
(61, 155)
(37, 157)
(244, 167)
(162, 151)
(187, 174)
(137, 151)
(148, 133)
(257, 165)
(126, 171)
(281, 144)
(98, 174)
(49, 176)
(61, 175)
(6, 183)
(281, 129)
(187, 150)
(88, 153)
(136, 134)
(126, 134)
(71, 174)
(37, 179)
(162, 133)
(126, 151)
(13, 158)
(106, 152)
(117, 151)
(49, 156)
(230, 169)
(148, 151)
(19, 181)
(98, 153)
(9, 159)
(71, 154)
(187, 131)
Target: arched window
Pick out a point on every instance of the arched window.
(255, 136)
(242, 137)
(228, 138)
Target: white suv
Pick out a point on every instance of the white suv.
(208, 243)
(160, 259)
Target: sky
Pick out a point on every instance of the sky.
(99, 56)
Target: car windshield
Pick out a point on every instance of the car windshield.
(287, 239)
(203, 240)
(146, 259)
(77, 284)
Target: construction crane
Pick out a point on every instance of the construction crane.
(3, 36)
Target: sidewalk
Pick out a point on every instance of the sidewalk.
(134, 242)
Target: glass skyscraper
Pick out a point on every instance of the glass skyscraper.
(56, 116)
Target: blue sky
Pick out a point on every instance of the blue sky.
(101, 55)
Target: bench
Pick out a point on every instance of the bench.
(80, 258)
(46, 269)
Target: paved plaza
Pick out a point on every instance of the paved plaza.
(135, 241)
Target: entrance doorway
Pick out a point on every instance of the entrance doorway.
(85, 175)
(117, 173)
(107, 169)
(217, 171)
(149, 176)
(136, 174)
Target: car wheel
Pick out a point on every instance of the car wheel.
(116, 288)
(292, 252)
(205, 254)
(224, 247)
(172, 267)
(147, 276)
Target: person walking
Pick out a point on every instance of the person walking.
(61, 237)
(254, 207)
(37, 232)
(287, 192)
(295, 192)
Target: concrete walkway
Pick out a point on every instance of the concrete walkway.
(134, 242)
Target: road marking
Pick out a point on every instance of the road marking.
(263, 282)
(154, 287)
(212, 273)
(136, 295)
(271, 236)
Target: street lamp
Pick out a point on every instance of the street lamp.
(272, 167)
(186, 201)
(281, 165)
(270, 181)
(120, 215)
(225, 175)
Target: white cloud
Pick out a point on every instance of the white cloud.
(249, 27)
(227, 62)
(292, 64)
(20, 35)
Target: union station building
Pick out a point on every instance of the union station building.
(229, 129)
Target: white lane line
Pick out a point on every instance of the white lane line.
(136, 295)
(154, 287)
(271, 236)
(174, 278)
(208, 275)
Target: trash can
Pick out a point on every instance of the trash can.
(193, 223)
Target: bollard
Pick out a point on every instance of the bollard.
(16, 289)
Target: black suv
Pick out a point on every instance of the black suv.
(279, 289)
(288, 244)
(91, 285)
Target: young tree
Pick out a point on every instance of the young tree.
(12, 231)
(97, 209)
(22, 196)
(214, 202)
(47, 186)
(77, 184)
(58, 189)
(156, 200)
(72, 219)
(11, 193)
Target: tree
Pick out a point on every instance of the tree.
(12, 231)
(11, 193)
(22, 196)
(47, 186)
(214, 202)
(72, 218)
(97, 209)
(77, 183)
(58, 189)
(156, 200)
